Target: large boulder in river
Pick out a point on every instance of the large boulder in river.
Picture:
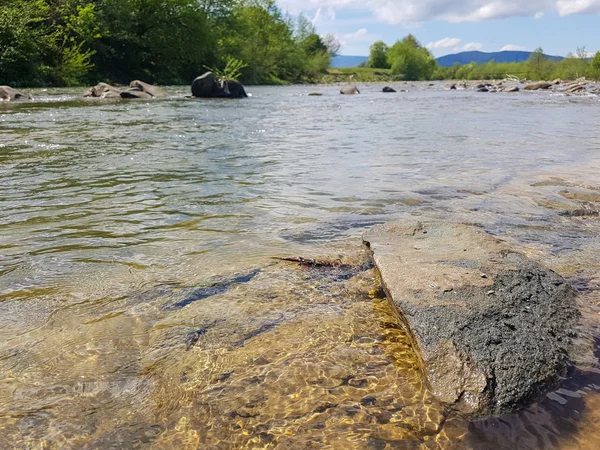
(210, 86)
(537, 86)
(493, 328)
(349, 90)
(9, 94)
(153, 91)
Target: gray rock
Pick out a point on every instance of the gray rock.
(9, 94)
(512, 89)
(537, 86)
(349, 90)
(209, 86)
(135, 93)
(576, 88)
(153, 91)
(103, 90)
(493, 328)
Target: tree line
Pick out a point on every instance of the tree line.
(73, 42)
(408, 60)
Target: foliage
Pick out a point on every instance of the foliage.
(411, 61)
(232, 71)
(595, 63)
(68, 42)
(378, 56)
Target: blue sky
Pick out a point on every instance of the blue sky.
(450, 26)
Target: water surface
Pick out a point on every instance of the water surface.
(140, 304)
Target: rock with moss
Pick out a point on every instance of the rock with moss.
(495, 330)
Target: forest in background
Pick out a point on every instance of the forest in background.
(74, 42)
(408, 60)
(82, 42)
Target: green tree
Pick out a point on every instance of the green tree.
(411, 61)
(378, 56)
(540, 66)
(595, 63)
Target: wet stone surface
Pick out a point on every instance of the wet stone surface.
(493, 327)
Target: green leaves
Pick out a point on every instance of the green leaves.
(378, 56)
(70, 42)
(410, 61)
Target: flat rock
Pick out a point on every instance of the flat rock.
(493, 327)
(537, 86)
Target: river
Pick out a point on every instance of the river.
(142, 304)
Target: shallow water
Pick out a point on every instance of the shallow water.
(141, 307)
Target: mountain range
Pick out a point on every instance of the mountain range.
(343, 61)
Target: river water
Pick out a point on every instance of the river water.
(142, 304)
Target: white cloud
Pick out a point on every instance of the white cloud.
(358, 35)
(471, 46)
(538, 15)
(443, 43)
(417, 11)
(511, 47)
(567, 7)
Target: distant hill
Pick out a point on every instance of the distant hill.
(343, 61)
(483, 57)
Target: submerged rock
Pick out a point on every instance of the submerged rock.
(9, 94)
(493, 328)
(388, 89)
(314, 94)
(209, 85)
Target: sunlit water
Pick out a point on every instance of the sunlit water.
(141, 306)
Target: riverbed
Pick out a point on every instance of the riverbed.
(143, 304)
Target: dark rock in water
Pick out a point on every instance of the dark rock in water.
(482, 89)
(388, 89)
(451, 86)
(314, 94)
(216, 288)
(153, 91)
(9, 94)
(493, 328)
(210, 86)
(349, 90)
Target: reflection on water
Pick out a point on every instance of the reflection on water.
(140, 306)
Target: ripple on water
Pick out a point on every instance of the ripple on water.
(112, 213)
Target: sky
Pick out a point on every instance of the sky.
(451, 26)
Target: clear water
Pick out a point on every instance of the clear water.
(141, 306)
